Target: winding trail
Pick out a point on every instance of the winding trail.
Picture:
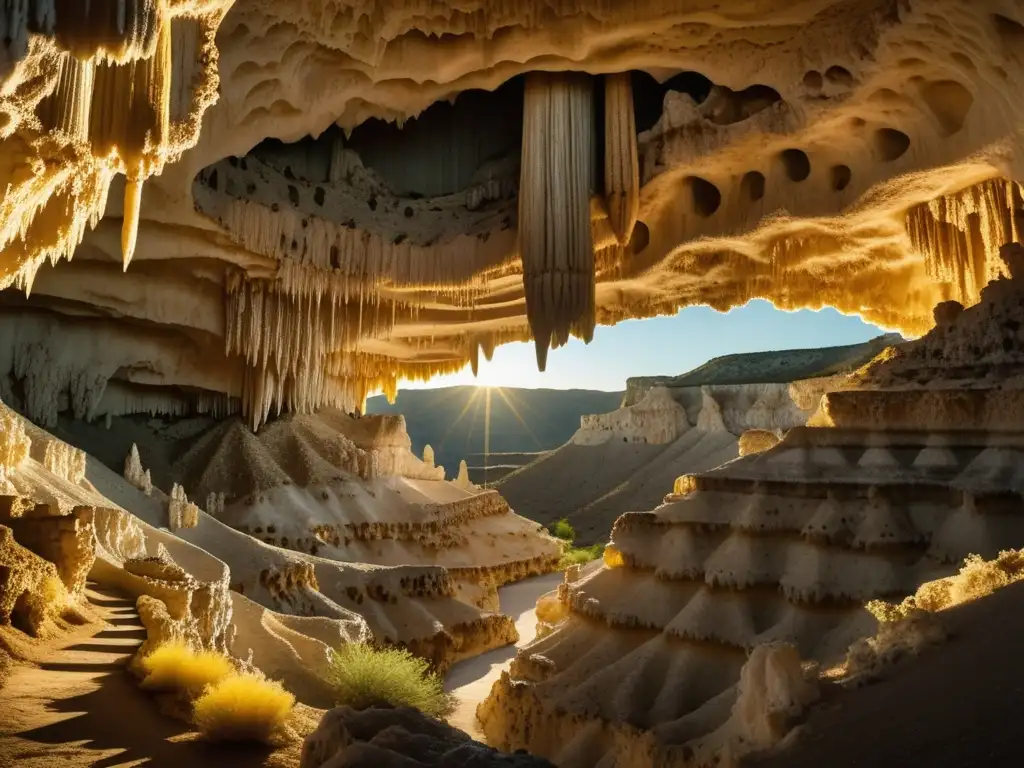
(81, 707)
(471, 680)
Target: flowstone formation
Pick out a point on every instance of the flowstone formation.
(913, 464)
(474, 175)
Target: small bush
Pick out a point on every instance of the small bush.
(174, 666)
(580, 555)
(363, 677)
(563, 530)
(243, 707)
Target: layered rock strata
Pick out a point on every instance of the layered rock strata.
(918, 466)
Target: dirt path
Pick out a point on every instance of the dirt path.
(471, 680)
(81, 707)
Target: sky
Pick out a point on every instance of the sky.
(660, 346)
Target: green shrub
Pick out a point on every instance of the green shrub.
(563, 530)
(363, 676)
(580, 555)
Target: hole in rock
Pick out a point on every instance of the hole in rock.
(813, 81)
(950, 102)
(796, 164)
(891, 144)
(1011, 33)
(752, 186)
(641, 238)
(841, 175)
(706, 197)
(649, 94)
(839, 76)
(722, 105)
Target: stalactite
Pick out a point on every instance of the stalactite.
(130, 222)
(118, 29)
(960, 235)
(187, 66)
(621, 160)
(67, 109)
(488, 346)
(555, 238)
(474, 355)
(352, 255)
(105, 109)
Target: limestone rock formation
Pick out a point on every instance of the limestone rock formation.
(656, 419)
(630, 458)
(474, 175)
(350, 490)
(914, 465)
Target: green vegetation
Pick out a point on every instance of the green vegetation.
(363, 676)
(573, 555)
(580, 555)
(563, 530)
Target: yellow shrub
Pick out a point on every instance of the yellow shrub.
(243, 707)
(175, 666)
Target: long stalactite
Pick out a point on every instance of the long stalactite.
(555, 238)
(621, 159)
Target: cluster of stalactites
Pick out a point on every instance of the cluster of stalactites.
(112, 69)
(559, 240)
(357, 258)
(959, 235)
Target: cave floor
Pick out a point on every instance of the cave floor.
(470, 681)
(79, 706)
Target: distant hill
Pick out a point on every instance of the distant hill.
(781, 366)
(451, 420)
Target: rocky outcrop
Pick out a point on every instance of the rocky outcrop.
(181, 590)
(384, 737)
(656, 419)
(906, 473)
(27, 586)
(68, 541)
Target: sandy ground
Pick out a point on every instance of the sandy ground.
(80, 707)
(956, 706)
(471, 680)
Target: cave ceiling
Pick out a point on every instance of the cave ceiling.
(267, 205)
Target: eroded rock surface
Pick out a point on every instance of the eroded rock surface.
(310, 245)
(376, 738)
(910, 468)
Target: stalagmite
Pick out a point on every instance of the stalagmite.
(555, 239)
(134, 473)
(621, 163)
(181, 512)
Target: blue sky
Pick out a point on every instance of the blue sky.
(663, 345)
